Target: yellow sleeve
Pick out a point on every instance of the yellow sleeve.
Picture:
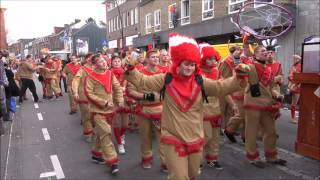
(117, 91)
(65, 70)
(144, 82)
(89, 87)
(132, 91)
(76, 81)
(279, 78)
(275, 89)
(30, 67)
(221, 88)
(223, 69)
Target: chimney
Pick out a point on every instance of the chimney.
(57, 29)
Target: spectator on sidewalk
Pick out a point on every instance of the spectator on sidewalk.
(3, 83)
(12, 90)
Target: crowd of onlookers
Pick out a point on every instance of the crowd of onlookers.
(9, 88)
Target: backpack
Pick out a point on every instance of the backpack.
(168, 78)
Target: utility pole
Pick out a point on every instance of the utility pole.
(121, 23)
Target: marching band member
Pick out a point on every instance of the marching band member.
(81, 98)
(294, 87)
(104, 94)
(69, 71)
(212, 113)
(182, 133)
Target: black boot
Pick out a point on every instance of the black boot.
(230, 136)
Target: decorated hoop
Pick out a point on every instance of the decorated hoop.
(264, 20)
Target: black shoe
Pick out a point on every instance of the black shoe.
(258, 164)
(221, 132)
(214, 164)
(230, 136)
(72, 112)
(163, 168)
(98, 160)
(280, 162)
(114, 169)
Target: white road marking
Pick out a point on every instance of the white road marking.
(57, 167)
(36, 105)
(8, 153)
(57, 170)
(47, 174)
(40, 116)
(45, 134)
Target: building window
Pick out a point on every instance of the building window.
(172, 8)
(235, 5)
(207, 9)
(132, 17)
(113, 24)
(121, 2)
(185, 12)
(128, 18)
(124, 20)
(148, 23)
(136, 16)
(157, 20)
(264, 1)
(110, 5)
(118, 23)
(109, 26)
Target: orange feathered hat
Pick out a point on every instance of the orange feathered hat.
(207, 51)
(182, 48)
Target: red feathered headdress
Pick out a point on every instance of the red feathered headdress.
(207, 51)
(183, 48)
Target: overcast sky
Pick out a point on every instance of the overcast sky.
(32, 19)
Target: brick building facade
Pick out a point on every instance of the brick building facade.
(122, 20)
(205, 20)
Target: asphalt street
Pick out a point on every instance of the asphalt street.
(44, 142)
